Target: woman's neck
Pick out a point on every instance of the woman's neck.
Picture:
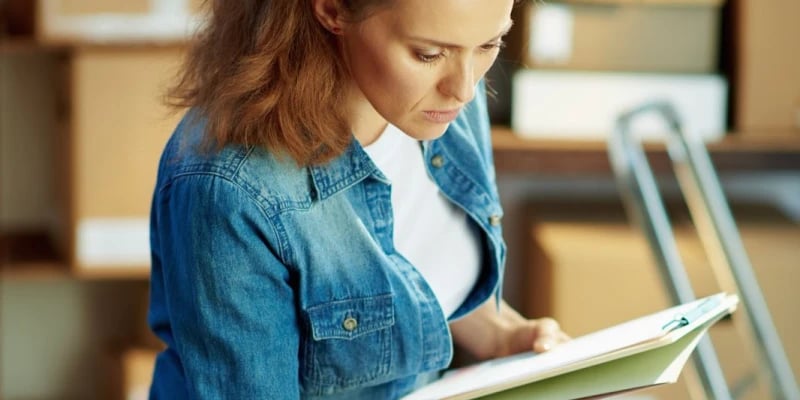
(366, 124)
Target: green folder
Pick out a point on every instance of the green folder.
(646, 351)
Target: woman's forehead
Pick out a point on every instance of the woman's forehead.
(457, 22)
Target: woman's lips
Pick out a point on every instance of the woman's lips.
(441, 116)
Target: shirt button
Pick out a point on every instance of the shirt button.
(494, 220)
(350, 324)
(437, 161)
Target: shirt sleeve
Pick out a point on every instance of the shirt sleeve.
(229, 298)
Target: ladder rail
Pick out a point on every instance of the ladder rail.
(645, 207)
(720, 235)
(714, 221)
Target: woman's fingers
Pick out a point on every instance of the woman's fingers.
(548, 335)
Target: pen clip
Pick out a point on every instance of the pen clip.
(676, 322)
(683, 319)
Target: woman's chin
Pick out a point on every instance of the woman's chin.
(428, 131)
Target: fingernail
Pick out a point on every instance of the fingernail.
(546, 345)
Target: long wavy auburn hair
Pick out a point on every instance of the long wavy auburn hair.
(267, 73)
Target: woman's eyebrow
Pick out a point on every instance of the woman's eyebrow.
(456, 46)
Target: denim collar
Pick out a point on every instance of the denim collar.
(344, 171)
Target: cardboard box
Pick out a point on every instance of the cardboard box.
(766, 66)
(117, 128)
(117, 20)
(591, 269)
(138, 365)
(654, 36)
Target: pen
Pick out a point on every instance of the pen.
(683, 319)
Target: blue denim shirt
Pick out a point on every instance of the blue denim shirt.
(273, 281)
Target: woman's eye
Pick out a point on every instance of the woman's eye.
(429, 58)
(493, 46)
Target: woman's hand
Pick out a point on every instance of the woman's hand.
(534, 334)
(489, 333)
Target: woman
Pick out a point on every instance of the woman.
(326, 222)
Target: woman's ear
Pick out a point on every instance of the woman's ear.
(330, 14)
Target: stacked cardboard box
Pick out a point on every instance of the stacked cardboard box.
(591, 269)
(137, 366)
(117, 127)
(128, 373)
(618, 35)
(641, 50)
(766, 66)
(105, 118)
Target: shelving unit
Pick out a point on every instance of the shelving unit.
(737, 152)
(31, 256)
(66, 327)
(89, 153)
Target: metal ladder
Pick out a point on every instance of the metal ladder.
(719, 235)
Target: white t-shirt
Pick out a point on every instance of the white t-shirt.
(430, 231)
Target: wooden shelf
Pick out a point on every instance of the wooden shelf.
(34, 271)
(49, 270)
(111, 273)
(17, 45)
(736, 152)
(42, 271)
(31, 256)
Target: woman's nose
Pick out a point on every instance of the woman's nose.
(459, 82)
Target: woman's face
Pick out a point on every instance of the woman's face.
(415, 63)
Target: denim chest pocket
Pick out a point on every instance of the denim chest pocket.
(349, 345)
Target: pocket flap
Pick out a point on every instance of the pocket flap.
(348, 319)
